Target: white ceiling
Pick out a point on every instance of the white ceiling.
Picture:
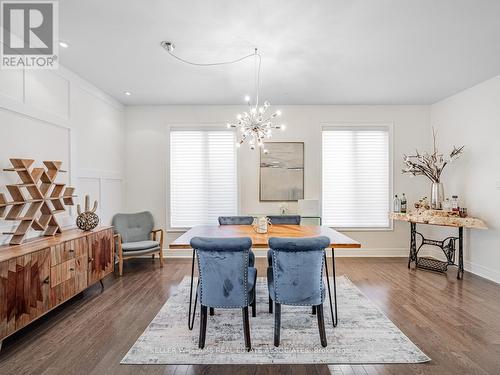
(314, 52)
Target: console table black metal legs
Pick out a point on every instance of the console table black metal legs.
(448, 246)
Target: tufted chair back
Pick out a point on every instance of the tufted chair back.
(297, 270)
(235, 220)
(285, 219)
(134, 227)
(223, 269)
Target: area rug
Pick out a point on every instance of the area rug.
(363, 335)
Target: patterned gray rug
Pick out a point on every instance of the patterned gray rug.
(363, 335)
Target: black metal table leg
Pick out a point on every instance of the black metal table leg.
(191, 317)
(334, 302)
(334, 288)
(329, 291)
(460, 273)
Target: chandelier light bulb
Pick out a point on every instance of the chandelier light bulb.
(278, 112)
(283, 127)
(247, 99)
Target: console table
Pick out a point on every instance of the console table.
(448, 245)
(42, 273)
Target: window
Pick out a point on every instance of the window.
(356, 176)
(203, 179)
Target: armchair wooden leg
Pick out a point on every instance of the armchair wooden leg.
(321, 325)
(270, 305)
(246, 328)
(153, 257)
(277, 323)
(120, 266)
(314, 310)
(212, 311)
(203, 327)
(160, 255)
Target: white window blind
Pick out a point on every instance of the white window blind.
(356, 176)
(203, 179)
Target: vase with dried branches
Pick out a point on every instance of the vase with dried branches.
(431, 165)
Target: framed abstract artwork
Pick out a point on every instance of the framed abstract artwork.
(282, 171)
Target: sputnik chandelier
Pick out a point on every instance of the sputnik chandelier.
(258, 122)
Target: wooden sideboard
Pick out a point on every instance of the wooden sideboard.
(42, 273)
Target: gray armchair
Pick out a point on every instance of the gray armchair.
(135, 236)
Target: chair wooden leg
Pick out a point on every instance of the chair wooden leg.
(153, 257)
(314, 310)
(246, 329)
(321, 325)
(212, 311)
(203, 327)
(270, 305)
(160, 255)
(120, 266)
(277, 323)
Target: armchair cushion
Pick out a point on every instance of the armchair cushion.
(141, 245)
(134, 227)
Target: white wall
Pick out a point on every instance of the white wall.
(147, 150)
(472, 118)
(56, 115)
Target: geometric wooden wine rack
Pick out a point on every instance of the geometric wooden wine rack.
(36, 199)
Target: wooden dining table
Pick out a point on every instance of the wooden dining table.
(260, 241)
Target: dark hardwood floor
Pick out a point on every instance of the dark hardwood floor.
(457, 323)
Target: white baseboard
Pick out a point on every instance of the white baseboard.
(474, 268)
(479, 270)
(354, 253)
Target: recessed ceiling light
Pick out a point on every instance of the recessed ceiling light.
(128, 93)
(64, 44)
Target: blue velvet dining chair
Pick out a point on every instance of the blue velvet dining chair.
(226, 280)
(239, 220)
(296, 277)
(284, 219)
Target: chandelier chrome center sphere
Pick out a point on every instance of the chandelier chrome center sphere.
(258, 122)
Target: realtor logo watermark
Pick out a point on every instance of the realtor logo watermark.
(30, 30)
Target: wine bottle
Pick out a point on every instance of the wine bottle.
(396, 204)
(403, 204)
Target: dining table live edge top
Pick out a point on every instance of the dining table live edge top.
(260, 240)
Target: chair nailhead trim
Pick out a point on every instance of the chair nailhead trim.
(246, 254)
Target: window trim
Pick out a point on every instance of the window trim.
(336, 125)
(192, 126)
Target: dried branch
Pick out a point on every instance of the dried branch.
(430, 165)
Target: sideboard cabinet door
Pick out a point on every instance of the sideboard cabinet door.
(24, 290)
(101, 254)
